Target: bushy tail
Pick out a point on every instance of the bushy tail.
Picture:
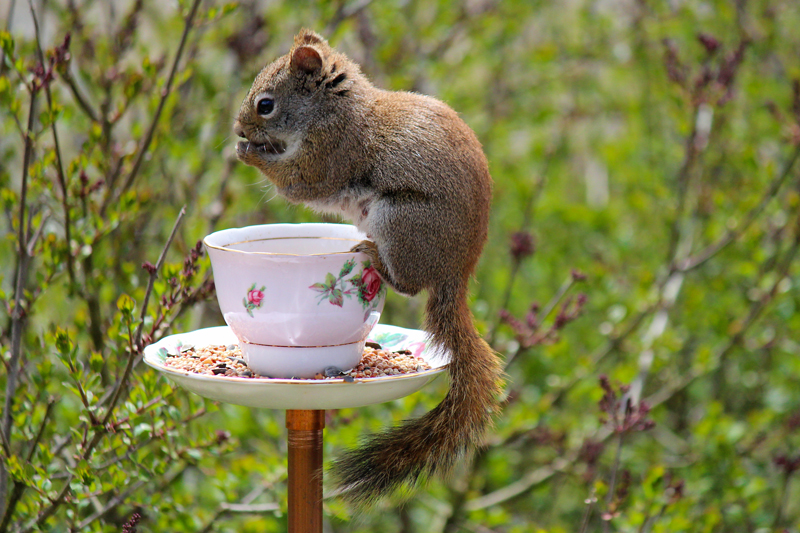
(431, 444)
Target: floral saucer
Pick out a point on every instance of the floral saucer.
(299, 393)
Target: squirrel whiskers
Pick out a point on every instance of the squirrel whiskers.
(412, 176)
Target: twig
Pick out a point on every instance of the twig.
(554, 301)
(782, 500)
(612, 485)
(145, 144)
(122, 381)
(131, 451)
(732, 235)
(343, 12)
(600, 354)
(683, 178)
(245, 506)
(5, 445)
(153, 276)
(587, 514)
(668, 293)
(476, 528)
(527, 218)
(538, 476)
(59, 161)
(38, 233)
(83, 103)
(99, 429)
(17, 490)
(81, 391)
(755, 312)
(18, 314)
(113, 502)
(647, 524)
(19, 487)
(531, 479)
(252, 508)
(35, 442)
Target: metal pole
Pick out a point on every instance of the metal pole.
(305, 470)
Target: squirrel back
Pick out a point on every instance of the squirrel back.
(411, 175)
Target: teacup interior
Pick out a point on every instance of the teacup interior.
(295, 245)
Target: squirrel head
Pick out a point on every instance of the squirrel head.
(294, 99)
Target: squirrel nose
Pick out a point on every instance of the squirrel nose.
(239, 130)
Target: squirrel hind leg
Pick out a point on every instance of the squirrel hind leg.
(370, 249)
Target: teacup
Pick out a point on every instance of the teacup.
(295, 296)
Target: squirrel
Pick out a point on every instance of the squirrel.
(412, 176)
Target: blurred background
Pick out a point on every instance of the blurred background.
(640, 278)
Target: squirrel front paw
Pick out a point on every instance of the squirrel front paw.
(370, 249)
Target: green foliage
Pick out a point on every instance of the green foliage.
(644, 154)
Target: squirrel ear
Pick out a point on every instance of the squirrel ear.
(307, 59)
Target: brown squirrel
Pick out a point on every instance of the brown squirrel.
(412, 176)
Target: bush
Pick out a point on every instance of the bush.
(645, 158)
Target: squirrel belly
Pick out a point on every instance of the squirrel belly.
(408, 172)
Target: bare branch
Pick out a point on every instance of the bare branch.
(153, 276)
(732, 235)
(145, 144)
(82, 101)
(18, 314)
(111, 504)
(244, 507)
(62, 181)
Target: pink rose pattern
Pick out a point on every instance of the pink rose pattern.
(254, 298)
(370, 284)
(364, 285)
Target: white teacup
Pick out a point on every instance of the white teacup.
(295, 296)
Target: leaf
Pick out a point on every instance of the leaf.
(125, 304)
(336, 297)
(348, 267)
(330, 280)
(7, 43)
(63, 342)
(320, 287)
(96, 362)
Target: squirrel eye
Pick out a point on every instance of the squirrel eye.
(265, 106)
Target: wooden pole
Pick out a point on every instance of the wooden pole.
(305, 470)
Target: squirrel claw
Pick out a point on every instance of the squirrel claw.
(365, 247)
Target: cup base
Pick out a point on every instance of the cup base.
(303, 362)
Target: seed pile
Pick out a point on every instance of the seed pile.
(378, 363)
(216, 360)
(221, 360)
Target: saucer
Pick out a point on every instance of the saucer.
(273, 393)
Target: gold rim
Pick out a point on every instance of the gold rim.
(226, 248)
(282, 346)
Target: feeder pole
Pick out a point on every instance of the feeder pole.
(305, 469)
